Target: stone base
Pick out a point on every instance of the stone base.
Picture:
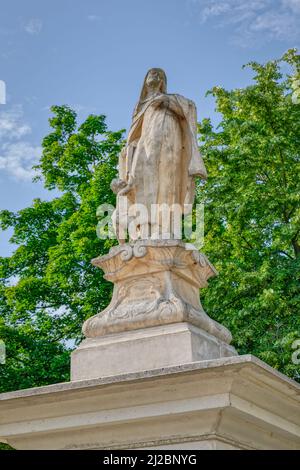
(229, 403)
(156, 282)
(145, 349)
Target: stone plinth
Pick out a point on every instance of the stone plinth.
(155, 318)
(145, 349)
(229, 403)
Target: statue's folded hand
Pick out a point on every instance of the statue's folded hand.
(161, 101)
(117, 185)
(127, 188)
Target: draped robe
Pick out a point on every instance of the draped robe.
(161, 157)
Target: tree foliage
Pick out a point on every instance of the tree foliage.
(48, 286)
(252, 213)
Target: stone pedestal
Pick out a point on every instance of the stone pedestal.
(155, 318)
(145, 349)
(230, 403)
(156, 282)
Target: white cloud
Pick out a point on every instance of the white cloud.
(17, 156)
(215, 9)
(254, 20)
(34, 26)
(275, 25)
(231, 10)
(12, 125)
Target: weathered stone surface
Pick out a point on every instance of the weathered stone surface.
(145, 349)
(161, 158)
(230, 403)
(156, 282)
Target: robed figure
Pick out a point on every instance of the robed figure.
(161, 158)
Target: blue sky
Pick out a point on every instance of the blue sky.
(93, 55)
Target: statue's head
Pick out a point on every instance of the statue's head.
(155, 80)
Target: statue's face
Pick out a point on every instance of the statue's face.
(153, 79)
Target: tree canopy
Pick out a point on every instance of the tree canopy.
(252, 212)
(48, 286)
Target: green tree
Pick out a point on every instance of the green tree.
(48, 285)
(252, 214)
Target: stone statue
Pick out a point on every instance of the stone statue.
(161, 158)
(155, 317)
